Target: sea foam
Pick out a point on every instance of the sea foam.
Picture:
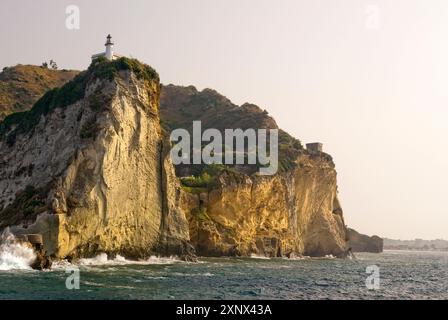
(102, 259)
(13, 254)
(257, 256)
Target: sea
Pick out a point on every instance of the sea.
(388, 275)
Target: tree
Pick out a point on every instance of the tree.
(53, 65)
(45, 65)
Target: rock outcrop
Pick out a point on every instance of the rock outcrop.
(86, 168)
(361, 243)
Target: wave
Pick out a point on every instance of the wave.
(180, 274)
(296, 258)
(257, 256)
(151, 278)
(14, 255)
(102, 260)
(326, 257)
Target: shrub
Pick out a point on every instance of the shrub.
(206, 180)
(105, 69)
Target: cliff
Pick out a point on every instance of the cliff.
(87, 168)
(362, 243)
(236, 211)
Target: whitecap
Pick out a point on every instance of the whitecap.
(102, 259)
(14, 255)
(180, 274)
(257, 256)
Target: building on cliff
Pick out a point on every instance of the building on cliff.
(109, 52)
(314, 147)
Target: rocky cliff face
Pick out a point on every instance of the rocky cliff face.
(90, 172)
(88, 167)
(291, 213)
(362, 243)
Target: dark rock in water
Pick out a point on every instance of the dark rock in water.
(187, 252)
(42, 262)
(361, 243)
(183, 249)
(35, 239)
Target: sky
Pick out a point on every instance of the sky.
(368, 79)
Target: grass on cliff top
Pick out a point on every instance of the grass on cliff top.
(70, 93)
(104, 69)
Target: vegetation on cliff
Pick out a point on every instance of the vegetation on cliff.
(105, 69)
(180, 106)
(206, 180)
(71, 92)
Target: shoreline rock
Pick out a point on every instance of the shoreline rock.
(362, 243)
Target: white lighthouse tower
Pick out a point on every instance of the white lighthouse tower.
(109, 52)
(109, 48)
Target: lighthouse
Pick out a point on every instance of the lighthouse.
(109, 48)
(109, 52)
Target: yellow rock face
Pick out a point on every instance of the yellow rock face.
(293, 213)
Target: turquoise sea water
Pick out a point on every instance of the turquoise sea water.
(403, 275)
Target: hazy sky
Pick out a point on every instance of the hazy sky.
(369, 79)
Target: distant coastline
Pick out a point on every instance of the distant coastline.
(416, 245)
